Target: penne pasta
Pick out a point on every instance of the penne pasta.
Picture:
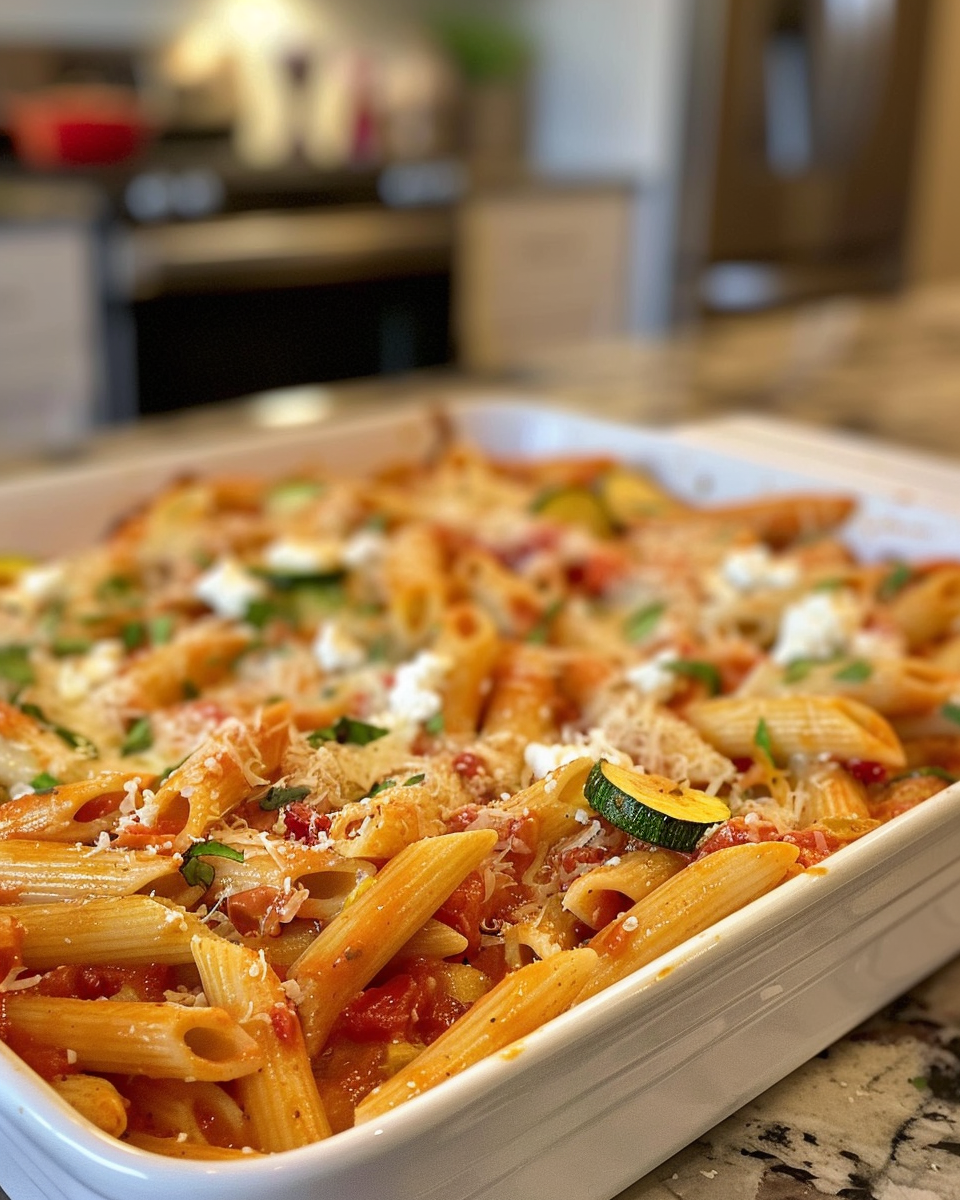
(280, 1098)
(366, 935)
(690, 902)
(95, 1099)
(125, 931)
(316, 791)
(512, 1010)
(810, 725)
(164, 1041)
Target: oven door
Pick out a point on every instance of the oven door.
(253, 301)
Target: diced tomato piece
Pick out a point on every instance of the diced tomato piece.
(381, 1014)
(815, 845)
(285, 1023)
(867, 772)
(469, 765)
(413, 1006)
(463, 909)
(738, 832)
(462, 818)
(599, 572)
(97, 983)
(249, 910)
(305, 824)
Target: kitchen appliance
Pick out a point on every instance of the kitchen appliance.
(802, 125)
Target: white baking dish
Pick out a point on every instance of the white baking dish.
(604, 1093)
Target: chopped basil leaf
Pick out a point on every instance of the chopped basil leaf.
(434, 724)
(828, 585)
(77, 741)
(291, 495)
(160, 629)
(62, 647)
(280, 797)
(951, 711)
(133, 634)
(920, 772)
(540, 633)
(382, 786)
(189, 690)
(201, 874)
(379, 649)
(761, 739)
(799, 668)
(170, 770)
(117, 589)
(44, 782)
(857, 671)
(260, 612)
(285, 581)
(139, 737)
(15, 665)
(348, 731)
(643, 622)
(414, 780)
(895, 581)
(919, 1082)
(376, 523)
(704, 672)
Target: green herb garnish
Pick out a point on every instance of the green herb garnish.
(77, 741)
(160, 629)
(761, 739)
(540, 633)
(383, 786)
(799, 668)
(139, 737)
(285, 581)
(189, 690)
(414, 780)
(704, 672)
(201, 874)
(643, 622)
(291, 495)
(44, 782)
(260, 612)
(15, 665)
(435, 724)
(63, 647)
(347, 731)
(951, 711)
(857, 671)
(117, 589)
(894, 581)
(133, 635)
(280, 797)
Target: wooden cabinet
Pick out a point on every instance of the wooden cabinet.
(538, 267)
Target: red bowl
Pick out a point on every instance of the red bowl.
(77, 126)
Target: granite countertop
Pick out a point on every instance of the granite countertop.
(877, 1115)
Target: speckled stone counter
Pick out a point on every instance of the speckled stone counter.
(876, 1116)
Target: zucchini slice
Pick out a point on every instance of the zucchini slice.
(629, 496)
(652, 808)
(574, 505)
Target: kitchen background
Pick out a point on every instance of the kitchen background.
(204, 199)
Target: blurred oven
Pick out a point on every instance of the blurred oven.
(249, 301)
